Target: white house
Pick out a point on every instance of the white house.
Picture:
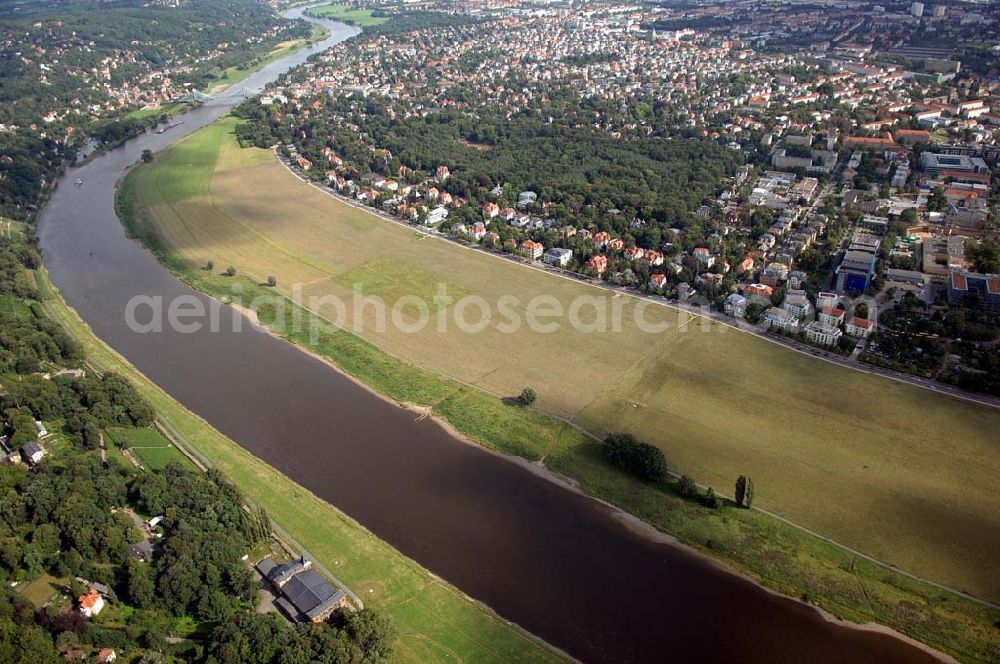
(91, 604)
(777, 318)
(33, 452)
(797, 303)
(736, 305)
(436, 216)
(558, 256)
(821, 333)
(826, 300)
(860, 328)
(704, 257)
(831, 317)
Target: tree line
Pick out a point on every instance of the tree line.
(72, 516)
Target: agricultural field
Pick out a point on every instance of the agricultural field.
(897, 472)
(360, 17)
(148, 445)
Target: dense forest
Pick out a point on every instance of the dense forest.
(580, 173)
(62, 71)
(72, 519)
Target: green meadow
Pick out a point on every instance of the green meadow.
(894, 471)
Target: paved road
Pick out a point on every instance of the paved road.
(693, 310)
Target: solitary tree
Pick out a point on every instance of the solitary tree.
(686, 486)
(210, 265)
(645, 461)
(744, 491)
(147, 156)
(711, 500)
(230, 271)
(528, 396)
(272, 281)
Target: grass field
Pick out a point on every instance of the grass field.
(435, 621)
(15, 308)
(892, 470)
(360, 17)
(11, 230)
(42, 589)
(170, 110)
(149, 445)
(779, 555)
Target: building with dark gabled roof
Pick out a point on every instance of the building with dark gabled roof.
(305, 596)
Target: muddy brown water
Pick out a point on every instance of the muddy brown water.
(556, 563)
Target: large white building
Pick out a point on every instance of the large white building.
(777, 318)
(933, 163)
(558, 256)
(820, 333)
(797, 303)
(859, 328)
(736, 306)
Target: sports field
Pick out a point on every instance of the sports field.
(903, 474)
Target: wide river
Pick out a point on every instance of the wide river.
(558, 564)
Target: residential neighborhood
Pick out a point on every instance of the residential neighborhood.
(866, 168)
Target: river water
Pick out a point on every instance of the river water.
(556, 563)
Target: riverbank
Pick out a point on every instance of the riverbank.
(234, 75)
(782, 558)
(627, 519)
(919, 466)
(436, 621)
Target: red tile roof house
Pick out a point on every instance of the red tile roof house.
(532, 249)
(703, 256)
(869, 143)
(652, 257)
(91, 604)
(909, 136)
(657, 281)
(859, 328)
(632, 253)
(759, 293)
(598, 264)
(831, 316)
